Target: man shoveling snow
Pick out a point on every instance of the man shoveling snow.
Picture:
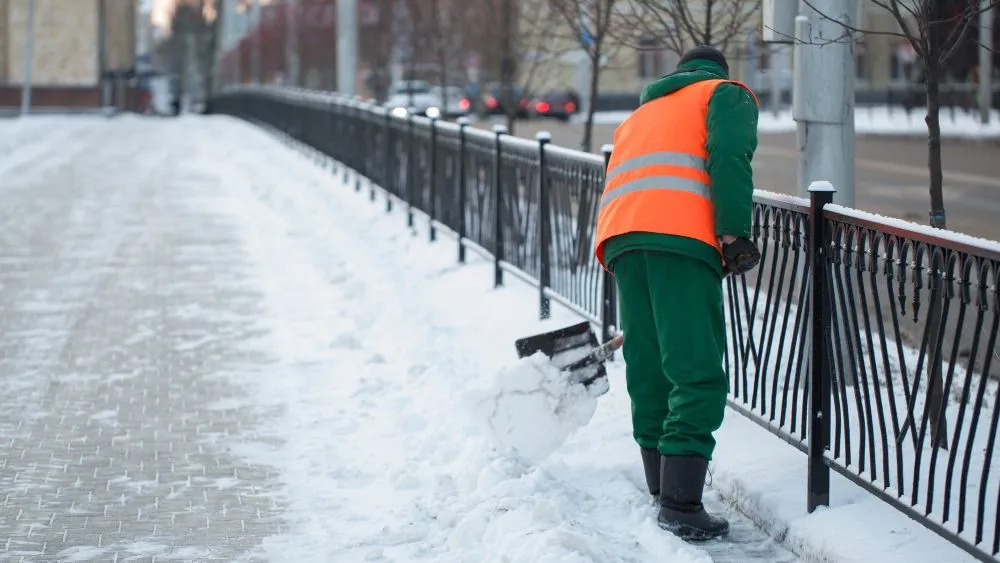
(674, 219)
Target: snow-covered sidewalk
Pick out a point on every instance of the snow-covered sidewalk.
(271, 367)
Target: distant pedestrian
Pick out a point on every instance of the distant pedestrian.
(674, 220)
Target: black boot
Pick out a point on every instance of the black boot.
(682, 482)
(651, 466)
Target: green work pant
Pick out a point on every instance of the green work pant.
(675, 339)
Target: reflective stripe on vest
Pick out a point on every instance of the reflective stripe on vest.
(657, 179)
(696, 163)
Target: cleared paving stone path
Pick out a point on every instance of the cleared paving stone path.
(115, 325)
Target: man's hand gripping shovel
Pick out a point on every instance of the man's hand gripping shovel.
(575, 351)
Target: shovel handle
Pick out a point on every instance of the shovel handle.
(616, 342)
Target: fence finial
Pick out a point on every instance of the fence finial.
(543, 136)
(500, 128)
(821, 186)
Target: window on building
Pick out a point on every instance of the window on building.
(652, 59)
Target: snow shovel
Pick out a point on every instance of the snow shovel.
(574, 350)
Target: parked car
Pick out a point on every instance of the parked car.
(455, 102)
(493, 99)
(558, 104)
(413, 97)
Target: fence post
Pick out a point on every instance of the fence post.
(348, 128)
(609, 301)
(361, 117)
(463, 122)
(375, 156)
(391, 163)
(818, 476)
(409, 169)
(432, 181)
(544, 229)
(498, 132)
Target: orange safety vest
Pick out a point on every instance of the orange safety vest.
(657, 181)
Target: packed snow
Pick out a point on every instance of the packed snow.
(873, 120)
(532, 407)
(399, 422)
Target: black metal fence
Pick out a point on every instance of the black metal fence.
(867, 343)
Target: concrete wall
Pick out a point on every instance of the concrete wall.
(65, 46)
(120, 16)
(4, 41)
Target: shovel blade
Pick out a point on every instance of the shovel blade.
(570, 349)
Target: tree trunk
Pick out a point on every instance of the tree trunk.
(933, 121)
(707, 39)
(937, 396)
(595, 74)
(507, 66)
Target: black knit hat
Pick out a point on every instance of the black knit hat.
(706, 53)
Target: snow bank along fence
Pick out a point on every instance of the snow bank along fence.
(860, 340)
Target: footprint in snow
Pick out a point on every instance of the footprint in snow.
(347, 340)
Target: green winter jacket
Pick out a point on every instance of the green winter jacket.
(732, 140)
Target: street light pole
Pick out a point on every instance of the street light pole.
(347, 46)
(29, 47)
(292, 41)
(255, 43)
(988, 8)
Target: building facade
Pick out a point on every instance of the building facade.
(74, 44)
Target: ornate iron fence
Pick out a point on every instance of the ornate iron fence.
(867, 343)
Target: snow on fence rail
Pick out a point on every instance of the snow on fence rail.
(867, 343)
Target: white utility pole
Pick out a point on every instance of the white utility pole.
(29, 47)
(347, 46)
(292, 42)
(255, 43)
(985, 59)
(823, 96)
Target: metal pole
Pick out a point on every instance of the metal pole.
(292, 43)
(823, 105)
(985, 59)
(29, 47)
(255, 55)
(347, 46)
(583, 66)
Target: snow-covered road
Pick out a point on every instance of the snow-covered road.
(212, 349)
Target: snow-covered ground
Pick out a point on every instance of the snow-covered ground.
(379, 351)
(876, 120)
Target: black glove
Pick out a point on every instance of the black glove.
(741, 256)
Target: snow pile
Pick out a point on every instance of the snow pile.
(532, 407)
(874, 120)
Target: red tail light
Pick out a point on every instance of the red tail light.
(491, 102)
(463, 103)
(569, 106)
(542, 107)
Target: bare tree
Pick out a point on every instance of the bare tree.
(936, 30)
(590, 22)
(678, 25)
(517, 33)
(376, 46)
(447, 21)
